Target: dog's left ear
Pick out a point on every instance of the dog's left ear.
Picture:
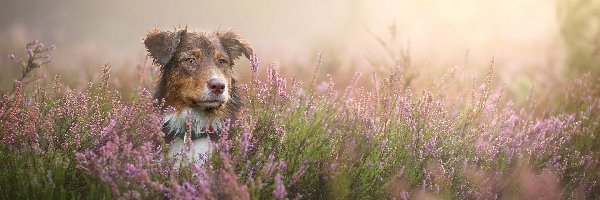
(234, 44)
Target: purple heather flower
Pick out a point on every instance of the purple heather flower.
(108, 128)
(12, 57)
(282, 166)
(254, 63)
(279, 192)
(131, 170)
(30, 52)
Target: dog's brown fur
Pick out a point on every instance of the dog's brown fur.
(188, 61)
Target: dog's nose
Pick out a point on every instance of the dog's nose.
(216, 86)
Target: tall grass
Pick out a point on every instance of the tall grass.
(305, 142)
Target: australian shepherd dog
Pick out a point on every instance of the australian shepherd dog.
(197, 82)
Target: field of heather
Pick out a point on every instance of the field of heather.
(395, 123)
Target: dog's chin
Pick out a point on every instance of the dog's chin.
(210, 104)
(207, 102)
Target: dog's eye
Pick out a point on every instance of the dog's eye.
(223, 61)
(191, 60)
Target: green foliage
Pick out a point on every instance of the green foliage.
(378, 143)
(28, 175)
(579, 25)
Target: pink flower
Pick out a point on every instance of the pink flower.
(279, 192)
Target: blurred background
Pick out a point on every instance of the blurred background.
(536, 43)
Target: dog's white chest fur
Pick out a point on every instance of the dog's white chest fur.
(200, 148)
(198, 152)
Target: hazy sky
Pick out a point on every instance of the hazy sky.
(111, 31)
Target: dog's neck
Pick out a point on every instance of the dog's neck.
(176, 122)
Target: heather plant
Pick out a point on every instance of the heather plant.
(296, 141)
(38, 55)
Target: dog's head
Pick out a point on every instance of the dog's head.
(197, 67)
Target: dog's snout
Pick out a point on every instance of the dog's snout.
(216, 86)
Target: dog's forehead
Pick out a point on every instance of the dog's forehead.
(208, 43)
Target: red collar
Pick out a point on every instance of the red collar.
(208, 131)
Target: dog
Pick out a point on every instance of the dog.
(197, 82)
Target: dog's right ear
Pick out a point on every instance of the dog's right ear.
(162, 44)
